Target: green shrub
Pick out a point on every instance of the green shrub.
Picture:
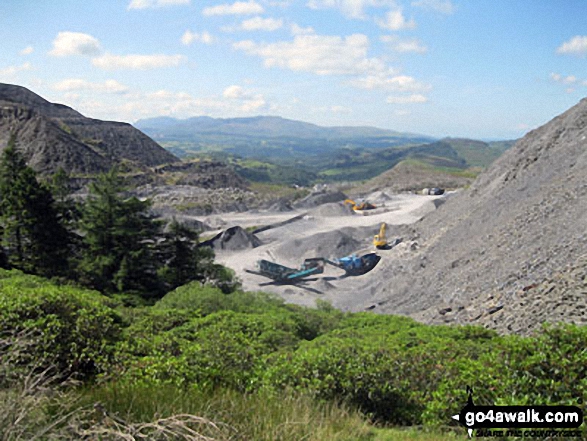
(71, 328)
(222, 349)
(208, 299)
(388, 366)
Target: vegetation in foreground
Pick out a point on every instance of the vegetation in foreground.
(247, 366)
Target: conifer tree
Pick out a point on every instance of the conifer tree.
(33, 238)
(179, 254)
(118, 238)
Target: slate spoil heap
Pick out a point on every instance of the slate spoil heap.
(510, 252)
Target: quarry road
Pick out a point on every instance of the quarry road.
(330, 230)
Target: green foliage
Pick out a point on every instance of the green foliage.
(124, 249)
(118, 238)
(72, 329)
(179, 255)
(387, 366)
(208, 299)
(199, 340)
(33, 238)
(222, 349)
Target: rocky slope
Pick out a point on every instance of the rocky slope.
(510, 251)
(53, 136)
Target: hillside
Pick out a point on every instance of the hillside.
(509, 252)
(266, 136)
(53, 136)
(447, 163)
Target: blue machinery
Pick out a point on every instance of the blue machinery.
(353, 265)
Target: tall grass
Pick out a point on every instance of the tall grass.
(254, 417)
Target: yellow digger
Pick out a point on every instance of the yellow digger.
(359, 207)
(379, 240)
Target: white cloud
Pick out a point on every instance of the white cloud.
(555, 77)
(237, 8)
(142, 62)
(233, 92)
(403, 46)
(350, 8)
(319, 54)
(76, 84)
(261, 24)
(442, 6)
(234, 99)
(575, 46)
(558, 78)
(203, 37)
(74, 43)
(407, 99)
(298, 30)
(146, 4)
(247, 100)
(390, 83)
(12, 71)
(395, 21)
(27, 50)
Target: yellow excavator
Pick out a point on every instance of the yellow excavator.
(379, 240)
(359, 207)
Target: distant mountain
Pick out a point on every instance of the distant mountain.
(267, 136)
(53, 136)
(261, 126)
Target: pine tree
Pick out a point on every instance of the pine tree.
(119, 238)
(178, 251)
(33, 238)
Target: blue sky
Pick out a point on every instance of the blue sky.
(486, 69)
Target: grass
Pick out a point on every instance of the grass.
(414, 435)
(258, 417)
(453, 171)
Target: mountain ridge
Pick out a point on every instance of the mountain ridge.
(257, 126)
(53, 136)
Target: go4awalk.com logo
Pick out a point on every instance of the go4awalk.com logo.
(520, 421)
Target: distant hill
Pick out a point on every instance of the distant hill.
(53, 136)
(447, 163)
(266, 136)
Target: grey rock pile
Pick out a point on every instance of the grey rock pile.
(522, 223)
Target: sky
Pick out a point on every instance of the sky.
(483, 69)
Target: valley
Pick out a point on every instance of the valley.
(485, 244)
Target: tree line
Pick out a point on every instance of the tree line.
(107, 242)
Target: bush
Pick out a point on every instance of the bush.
(222, 349)
(74, 329)
(388, 366)
(208, 299)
